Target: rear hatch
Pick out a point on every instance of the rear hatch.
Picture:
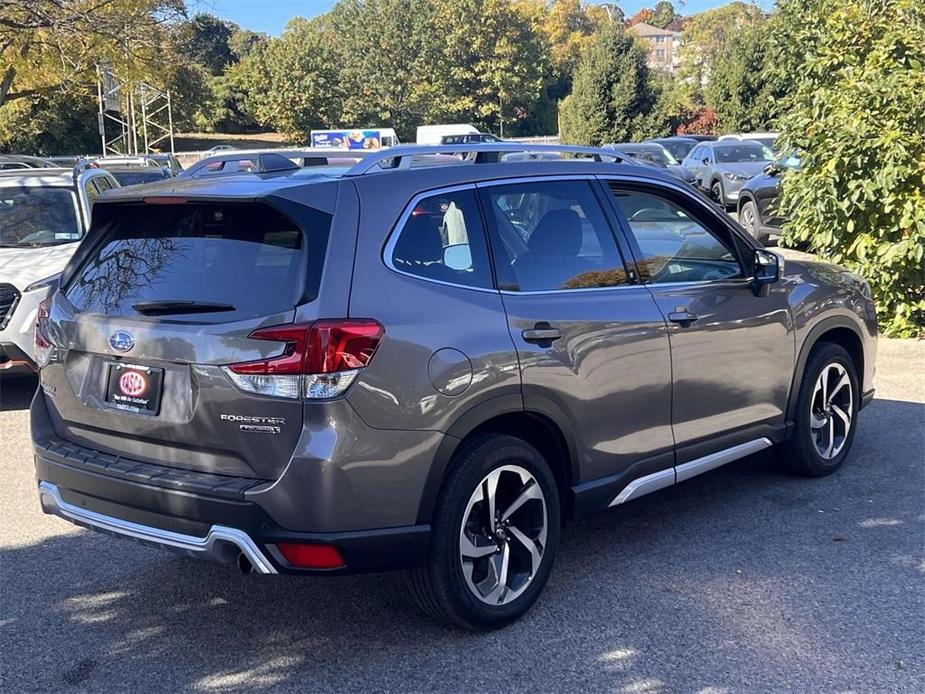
(162, 298)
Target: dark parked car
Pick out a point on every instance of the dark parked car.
(10, 162)
(699, 138)
(655, 154)
(758, 200)
(721, 168)
(677, 145)
(238, 162)
(427, 368)
(133, 175)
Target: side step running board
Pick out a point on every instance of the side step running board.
(666, 478)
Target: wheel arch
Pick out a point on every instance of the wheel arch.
(837, 330)
(544, 430)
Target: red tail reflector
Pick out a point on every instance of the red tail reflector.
(311, 556)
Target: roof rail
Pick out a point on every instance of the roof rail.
(400, 157)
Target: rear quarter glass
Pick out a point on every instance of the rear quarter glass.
(248, 256)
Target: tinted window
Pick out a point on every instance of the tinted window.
(443, 240)
(678, 148)
(674, 246)
(551, 235)
(247, 256)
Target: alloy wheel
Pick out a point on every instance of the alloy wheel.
(503, 535)
(748, 220)
(831, 411)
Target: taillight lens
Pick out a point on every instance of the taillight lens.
(320, 359)
(43, 346)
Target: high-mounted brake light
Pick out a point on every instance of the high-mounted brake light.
(165, 200)
(320, 360)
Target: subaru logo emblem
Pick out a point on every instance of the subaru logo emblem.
(122, 341)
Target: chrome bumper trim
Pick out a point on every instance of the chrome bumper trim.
(221, 544)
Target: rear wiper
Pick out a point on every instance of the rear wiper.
(169, 307)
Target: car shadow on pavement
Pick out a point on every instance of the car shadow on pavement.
(744, 578)
(16, 391)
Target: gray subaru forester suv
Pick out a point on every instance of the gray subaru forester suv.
(429, 363)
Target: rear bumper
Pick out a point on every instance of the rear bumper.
(211, 527)
(209, 516)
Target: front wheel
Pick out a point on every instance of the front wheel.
(826, 413)
(748, 218)
(716, 192)
(495, 534)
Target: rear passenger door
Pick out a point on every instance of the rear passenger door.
(732, 352)
(592, 345)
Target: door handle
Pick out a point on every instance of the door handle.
(542, 334)
(683, 317)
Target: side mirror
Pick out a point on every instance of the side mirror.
(706, 160)
(772, 169)
(457, 257)
(765, 270)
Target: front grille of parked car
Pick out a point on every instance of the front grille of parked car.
(9, 297)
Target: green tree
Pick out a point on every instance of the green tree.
(51, 123)
(491, 64)
(385, 51)
(746, 97)
(857, 117)
(705, 39)
(55, 45)
(292, 84)
(663, 14)
(613, 97)
(206, 40)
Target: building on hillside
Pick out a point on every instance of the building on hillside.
(663, 44)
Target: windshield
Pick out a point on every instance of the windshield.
(728, 154)
(678, 148)
(130, 178)
(38, 216)
(653, 155)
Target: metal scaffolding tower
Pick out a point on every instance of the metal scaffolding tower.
(129, 110)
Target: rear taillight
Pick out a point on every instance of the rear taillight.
(43, 346)
(320, 359)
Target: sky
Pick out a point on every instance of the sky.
(270, 16)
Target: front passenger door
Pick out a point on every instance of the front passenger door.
(732, 352)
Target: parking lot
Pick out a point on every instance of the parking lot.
(744, 579)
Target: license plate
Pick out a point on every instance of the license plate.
(135, 388)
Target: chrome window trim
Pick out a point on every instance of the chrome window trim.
(399, 226)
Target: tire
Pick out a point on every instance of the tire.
(716, 192)
(816, 423)
(748, 218)
(452, 594)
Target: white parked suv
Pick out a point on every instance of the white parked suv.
(43, 215)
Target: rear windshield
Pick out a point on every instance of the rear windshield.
(201, 262)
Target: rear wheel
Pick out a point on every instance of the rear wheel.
(826, 413)
(494, 536)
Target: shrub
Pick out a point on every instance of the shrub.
(857, 117)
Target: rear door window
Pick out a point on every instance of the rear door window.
(551, 235)
(234, 261)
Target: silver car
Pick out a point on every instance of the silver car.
(721, 168)
(428, 364)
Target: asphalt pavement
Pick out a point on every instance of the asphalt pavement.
(741, 580)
